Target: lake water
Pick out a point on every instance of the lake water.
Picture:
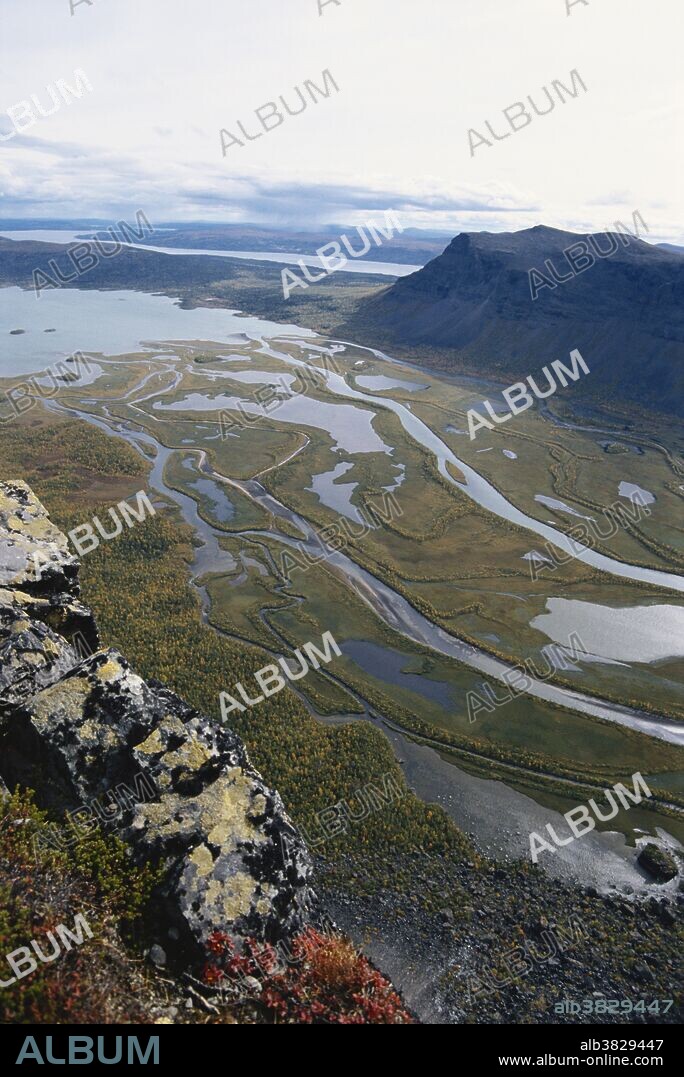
(378, 382)
(389, 665)
(256, 377)
(336, 495)
(113, 323)
(636, 493)
(628, 634)
(351, 428)
(118, 322)
(220, 507)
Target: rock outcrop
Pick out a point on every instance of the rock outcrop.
(92, 737)
(34, 554)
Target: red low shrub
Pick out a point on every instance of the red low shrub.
(324, 980)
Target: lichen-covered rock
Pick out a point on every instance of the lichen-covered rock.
(243, 863)
(32, 656)
(88, 732)
(234, 860)
(62, 613)
(34, 554)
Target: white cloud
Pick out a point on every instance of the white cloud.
(413, 77)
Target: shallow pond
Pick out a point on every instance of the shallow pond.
(627, 634)
(390, 665)
(350, 427)
(377, 382)
(636, 493)
(336, 495)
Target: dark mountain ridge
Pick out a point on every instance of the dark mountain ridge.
(504, 304)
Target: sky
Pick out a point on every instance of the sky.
(413, 78)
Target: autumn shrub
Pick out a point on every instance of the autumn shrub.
(324, 981)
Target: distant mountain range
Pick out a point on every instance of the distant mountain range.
(505, 304)
(411, 247)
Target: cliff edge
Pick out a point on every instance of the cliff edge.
(94, 739)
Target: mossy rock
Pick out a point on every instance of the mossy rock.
(657, 863)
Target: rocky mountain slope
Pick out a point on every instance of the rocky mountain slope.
(505, 304)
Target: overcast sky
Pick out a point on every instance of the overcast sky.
(414, 76)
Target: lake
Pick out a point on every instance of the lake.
(112, 322)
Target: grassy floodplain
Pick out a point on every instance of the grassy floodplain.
(457, 563)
